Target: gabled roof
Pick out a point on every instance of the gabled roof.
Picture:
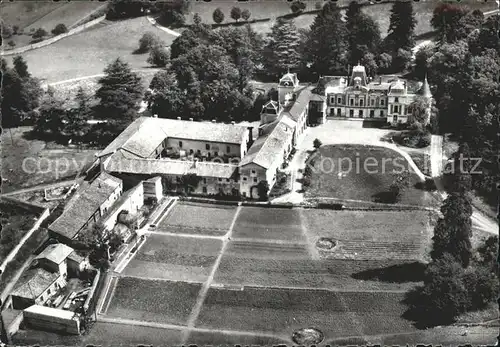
(295, 110)
(269, 148)
(56, 253)
(425, 90)
(86, 201)
(33, 283)
(145, 134)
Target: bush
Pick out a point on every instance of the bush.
(39, 34)
(218, 16)
(246, 14)
(15, 30)
(298, 6)
(236, 13)
(11, 43)
(158, 56)
(59, 29)
(148, 41)
(317, 143)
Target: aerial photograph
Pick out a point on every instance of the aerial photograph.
(249, 173)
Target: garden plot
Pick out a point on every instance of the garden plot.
(174, 258)
(258, 223)
(198, 218)
(153, 301)
(372, 235)
(282, 311)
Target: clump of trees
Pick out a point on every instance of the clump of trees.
(236, 13)
(148, 41)
(39, 35)
(21, 94)
(218, 15)
(59, 29)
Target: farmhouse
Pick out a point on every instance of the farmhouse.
(385, 98)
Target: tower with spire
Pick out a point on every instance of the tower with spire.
(426, 94)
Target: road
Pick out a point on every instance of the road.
(43, 186)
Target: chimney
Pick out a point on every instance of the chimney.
(195, 162)
(380, 80)
(213, 120)
(191, 119)
(233, 122)
(178, 118)
(155, 116)
(250, 137)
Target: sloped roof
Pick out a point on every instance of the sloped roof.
(145, 134)
(83, 204)
(170, 167)
(295, 110)
(55, 253)
(50, 312)
(76, 257)
(269, 148)
(33, 283)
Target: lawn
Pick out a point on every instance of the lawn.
(269, 224)
(27, 162)
(372, 235)
(283, 310)
(15, 221)
(89, 52)
(362, 173)
(198, 218)
(154, 301)
(175, 258)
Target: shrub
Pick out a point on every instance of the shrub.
(148, 41)
(59, 29)
(6, 31)
(218, 16)
(236, 13)
(298, 6)
(317, 143)
(11, 43)
(158, 56)
(39, 33)
(246, 14)
(15, 29)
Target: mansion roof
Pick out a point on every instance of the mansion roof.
(84, 204)
(145, 134)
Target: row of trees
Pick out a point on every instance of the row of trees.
(236, 14)
(464, 68)
(456, 280)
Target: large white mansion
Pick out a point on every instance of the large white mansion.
(231, 159)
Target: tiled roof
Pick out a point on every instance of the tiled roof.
(33, 283)
(84, 204)
(269, 148)
(145, 134)
(170, 167)
(55, 253)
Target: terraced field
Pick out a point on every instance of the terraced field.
(174, 258)
(200, 219)
(284, 310)
(153, 301)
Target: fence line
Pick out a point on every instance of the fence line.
(53, 39)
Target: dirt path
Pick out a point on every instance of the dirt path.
(43, 186)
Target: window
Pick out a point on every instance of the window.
(360, 114)
(204, 180)
(198, 151)
(253, 172)
(339, 101)
(228, 149)
(372, 102)
(244, 179)
(178, 179)
(227, 179)
(351, 113)
(352, 102)
(216, 154)
(339, 112)
(361, 102)
(372, 113)
(204, 189)
(244, 194)
(255, 180)
(207, 147)
(180, 144)
(220, 179)
(48, 291)
(395, 117)
(396, 109)
(381, 113)
(381, 102)
(332, 100)
(191, 151)
(396, 99)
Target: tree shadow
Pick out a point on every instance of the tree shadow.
(385, 197)
(139, 51)
(401, 273)
(368, 123)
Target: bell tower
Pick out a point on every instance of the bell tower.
(287, 86)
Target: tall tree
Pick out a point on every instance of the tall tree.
(446, 18)
(21, 66)
(119, 94)
(236, 13)
(401, 26)
(363, 36)
(218, 15)
(282, 50)
(326, 45)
